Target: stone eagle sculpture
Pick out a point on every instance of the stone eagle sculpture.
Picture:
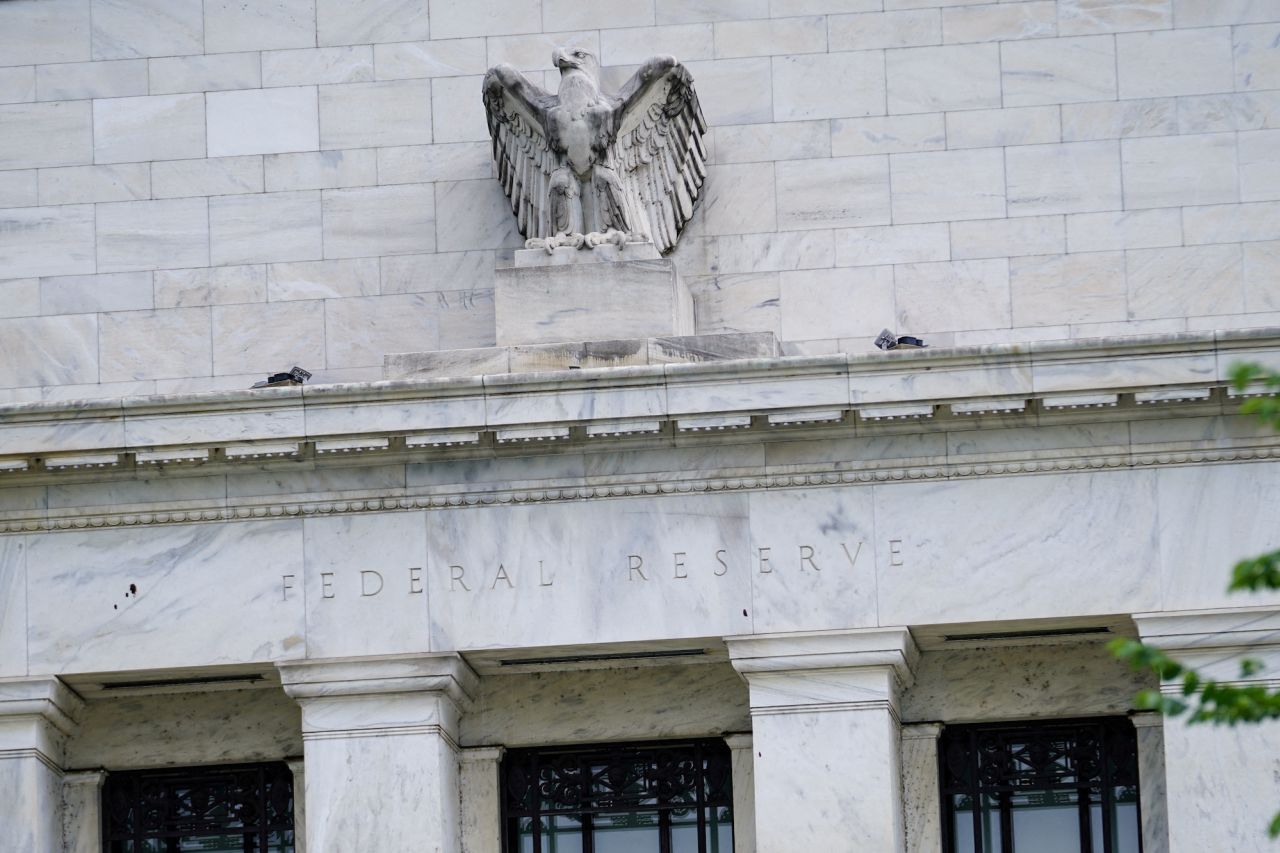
(619, 167)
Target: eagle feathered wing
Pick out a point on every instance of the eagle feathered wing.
(661, 158)
(516, 109)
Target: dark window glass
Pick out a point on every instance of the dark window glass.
(1055, 787)
(630, 798)
(246, 808)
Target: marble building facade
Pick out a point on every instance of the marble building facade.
(823, 558)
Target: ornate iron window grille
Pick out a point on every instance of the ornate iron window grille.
(618, 784)
(1045, 763)
(194, 808)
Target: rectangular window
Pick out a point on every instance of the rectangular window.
(244, 808)
(1067, 786)
(619, 798)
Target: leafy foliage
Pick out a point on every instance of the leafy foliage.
(1206, 700)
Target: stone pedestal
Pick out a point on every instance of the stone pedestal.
(577, 295)
(36, 715)
(380, 744)
(826, 737)
(1216, 776)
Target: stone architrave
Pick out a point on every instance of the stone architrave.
(624, 167)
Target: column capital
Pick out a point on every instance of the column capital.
(447, 674)
(46, 697)
(815, 650)
(921, 731)
(481, 753)
(1210, 629)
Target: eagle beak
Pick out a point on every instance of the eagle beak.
(560, 59)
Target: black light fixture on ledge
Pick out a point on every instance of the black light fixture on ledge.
(887, 340)
(294, 377)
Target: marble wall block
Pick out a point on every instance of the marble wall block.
(888, 134)
(309, 66)
(999, 238)
(869, 31)
(792, 250)
(361, 331)
(568, 14)
(892, 244)
(955, 77)
(20, 297)
(474, 215)
(19, 188)
(78, 80)
(205, 73)
(812, 563)
(37, 241)
(48, 350)
(59, 133)
(1179, 282)
(267, 338)
(672, 12)
(448, 58)
(1227, 223)
(48, 31)
(1256, 66)
(145, 235)
(266, 121)
(209, 286)
(739, 198)
(171, 343)
(532, 52)
(1000, 23)
(215, 727)
(1169, 171)
(1131, 229)
(1209, 519)
(220, 176)
(745, 302)
(729, 89)
(231, 26)
(82, 184)
(457, 114)
(13, 606)
(249, 229)
(770, 37)
(1084, 544)
(322, 279)
(952, 295)
(1120, 119)
(320, 170)
(441, 271)
(396, 220)
(1261, 271)
(758, 142)
(806, 296)
(1174, 62)
(799, 90)
(1082, 17)
(362, 115)
(380, 20)
(663, 584)
(633, 45)
(130, 28)
(993, 128)
(593, 705)
(1080, 288)
(222, 607)
(1259, 176)
(947, 185)
(834, 193)
(363, 601)
(1062, 70)
(82, 294)
(155, 127)
(1074, 177)
(429, 163)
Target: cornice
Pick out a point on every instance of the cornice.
(402, 422)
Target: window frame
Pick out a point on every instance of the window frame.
(1110, 776)
(714, 758)
(267, 773)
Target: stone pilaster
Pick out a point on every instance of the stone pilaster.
(82, 811)
(481, 794)
(36, 716)
(1151, 785)
(921, 796)
(1216, 776)
(298, 768)
(744, 793)
(380, 743)
(826, 737)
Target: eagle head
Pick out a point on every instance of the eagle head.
(576, 58)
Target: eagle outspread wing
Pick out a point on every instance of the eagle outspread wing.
(660, 156)
(517, 109)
